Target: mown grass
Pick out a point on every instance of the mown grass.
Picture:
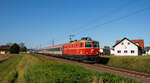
(29, 68)
(137, 63)
(8, 69)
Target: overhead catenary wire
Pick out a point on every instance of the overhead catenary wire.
(120, 8)
(116, 19)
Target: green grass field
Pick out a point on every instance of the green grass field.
(27, 68)
(137, 63)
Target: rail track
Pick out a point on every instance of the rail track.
(140, 76)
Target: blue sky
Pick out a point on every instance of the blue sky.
(38, 22)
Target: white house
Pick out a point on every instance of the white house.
(147, 50)
(126, 47)
(111, 51)
(101, 50)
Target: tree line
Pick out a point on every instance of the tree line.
(17, 48)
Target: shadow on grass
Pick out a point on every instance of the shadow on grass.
(102, 60)
(14, 78)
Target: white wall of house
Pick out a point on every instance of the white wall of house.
(101, 50)
(112, 51)
(125, 47)
(148, 52)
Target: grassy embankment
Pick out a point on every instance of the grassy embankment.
(36, 69)
(137, 63)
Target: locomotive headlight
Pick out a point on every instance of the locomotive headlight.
(96, 52)
(80, 52)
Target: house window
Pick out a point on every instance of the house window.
(128, 43)
(125, 51)
(122, 43)
(132, 51)
(119, 51)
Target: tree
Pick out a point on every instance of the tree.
(22, 47)
(15, 49)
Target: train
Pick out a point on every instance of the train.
(85, 49)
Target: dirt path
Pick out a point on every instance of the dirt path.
(4, 58)
(142, 77)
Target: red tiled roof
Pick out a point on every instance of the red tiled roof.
(4, 47)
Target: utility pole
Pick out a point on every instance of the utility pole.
(70, 37)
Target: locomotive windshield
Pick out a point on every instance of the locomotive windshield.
(88, 44)
(95, 44)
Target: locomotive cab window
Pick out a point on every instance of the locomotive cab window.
(95, 44)
(88, 44)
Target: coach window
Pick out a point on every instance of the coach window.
(88, 44)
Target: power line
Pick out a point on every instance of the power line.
(108, 14)
(117, 19)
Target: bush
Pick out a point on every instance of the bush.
(15, 49)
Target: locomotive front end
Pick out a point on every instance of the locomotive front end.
(91, 50)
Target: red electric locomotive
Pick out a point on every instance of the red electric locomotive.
(84, 49)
